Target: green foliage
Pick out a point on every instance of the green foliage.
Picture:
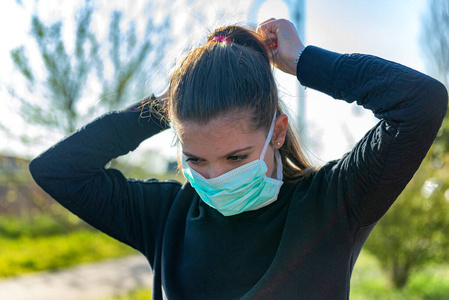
(435, 44)
(414, 231)
(66, 74)
(45, 243)
(25, 254)
(47, 237)
(139, 294)
(369, 282)
(48, 242)
(436, 38)
(21, 62)
(53, 101)
(129, 59)
(430, 284)
(39, 226)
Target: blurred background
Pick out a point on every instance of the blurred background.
(63, 63)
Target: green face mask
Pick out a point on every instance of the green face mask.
(241, 189)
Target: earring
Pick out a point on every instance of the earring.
(277, 144)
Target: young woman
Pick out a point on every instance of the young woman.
(254, 220)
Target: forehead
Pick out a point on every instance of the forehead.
(221, 135)
(215, 129)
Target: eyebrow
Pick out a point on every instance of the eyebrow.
(226, 155)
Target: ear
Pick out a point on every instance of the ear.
(280, 131)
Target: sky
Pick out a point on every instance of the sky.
(389, 29)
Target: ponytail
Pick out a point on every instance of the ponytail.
(232, 73)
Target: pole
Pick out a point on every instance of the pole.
(297, 14)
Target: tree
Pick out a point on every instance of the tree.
(54, 89)
(119, 65)
(65, 76)
(414, 231)
(436, 45)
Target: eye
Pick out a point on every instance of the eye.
(237, 158)
(193, 160)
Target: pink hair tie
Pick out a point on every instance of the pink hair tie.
(221, 39)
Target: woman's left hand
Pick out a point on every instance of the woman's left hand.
(163, 98)
(283, 33)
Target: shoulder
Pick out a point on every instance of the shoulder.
(323, 172)
(153, 184)
(320, 182)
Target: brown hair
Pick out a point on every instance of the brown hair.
(232, 76)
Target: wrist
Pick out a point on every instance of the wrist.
(296, 61)
(299, 56)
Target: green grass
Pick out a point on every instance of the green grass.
(369, 282)
(46, 242)
(27, 254)
(39, 225)
(138, 294)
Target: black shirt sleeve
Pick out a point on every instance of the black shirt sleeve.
(73, 172)
(411, 107)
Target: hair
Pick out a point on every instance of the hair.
(231, 77)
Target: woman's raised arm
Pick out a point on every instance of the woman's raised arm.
(411, 107)
(73, 172)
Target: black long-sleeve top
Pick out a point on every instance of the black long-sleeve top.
(302, 246)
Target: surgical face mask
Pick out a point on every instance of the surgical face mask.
(241, 189)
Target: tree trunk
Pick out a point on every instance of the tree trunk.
(400, 275)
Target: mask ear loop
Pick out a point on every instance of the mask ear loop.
(270, 135)
(279, 167)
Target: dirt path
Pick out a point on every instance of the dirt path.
(89, 281)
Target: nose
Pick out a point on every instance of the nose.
(215, 171)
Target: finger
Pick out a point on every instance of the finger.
(272, 52)
(266, 21)
(268, 38)
(270, 25)
(263, 26)
(271, 39)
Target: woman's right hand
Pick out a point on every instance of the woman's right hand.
(283, 33)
